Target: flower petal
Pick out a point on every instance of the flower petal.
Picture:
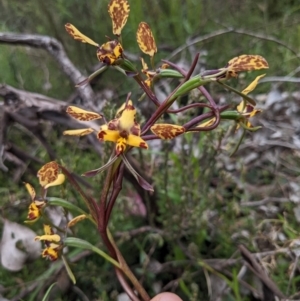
(144, 65)
(145, 39)
(167, 131)
(49, 174)
(109, 52)
(121, 145)
(77, 35)
(60, 179)
(247, 62)
(81, 114)
(48, 230)
(136, 141)
(253, 85)
(33, 212)
(50, 253)
(93, 172)
(119, 12)
(255, 112)
(76, 219)
(143, 183)
(207, 123)
(49, 238)
(241, 107)
(30, 190)
(127, 119)
(79, 132)
(108, 135)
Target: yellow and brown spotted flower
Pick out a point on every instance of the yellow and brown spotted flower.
(151, 74)
(123, 130)
(107, 53)
(36, 205)
(246, 110)
(52, 243)
(50, 175)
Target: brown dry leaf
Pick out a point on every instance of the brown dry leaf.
(167, 131)
(145, 39)
(119, 12)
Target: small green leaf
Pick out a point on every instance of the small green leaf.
(63, 203)
(189, 85)
(45, 298)
(69, 271)
(235, 149)
(184, 288)
(82, 244)
(169, 73)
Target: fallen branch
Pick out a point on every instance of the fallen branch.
(269, 287)
(55, 48)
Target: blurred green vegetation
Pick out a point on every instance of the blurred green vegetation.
(198, 201)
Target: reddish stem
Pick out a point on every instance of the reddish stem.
(116, 190)
(125, 285)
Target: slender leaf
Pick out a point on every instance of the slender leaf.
(45, 298)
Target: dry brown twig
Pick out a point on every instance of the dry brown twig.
(269, 287)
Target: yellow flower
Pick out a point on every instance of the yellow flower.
(50, 175)
(36, 205)
(245, 109)
(123, 130)
(52, 244)
(107, 53)
(151, 74)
